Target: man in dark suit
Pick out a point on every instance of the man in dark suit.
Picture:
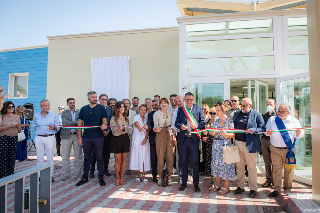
(189, 143)
(152, 140)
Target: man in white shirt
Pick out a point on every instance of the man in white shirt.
(173, 103)
(279, 148)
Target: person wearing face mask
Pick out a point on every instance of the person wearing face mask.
(283, 147)
(248, 144)
(265, 143)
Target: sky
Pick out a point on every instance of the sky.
(26, 23)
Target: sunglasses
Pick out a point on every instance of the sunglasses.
(11, 107)
(212, 113)
(91, 111)
(234, 100)
(281, 112)
(204, 109)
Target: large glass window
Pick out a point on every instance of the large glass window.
(297, 24)
(230, 46)
(229, 28)
(230, 64)
(207, 93)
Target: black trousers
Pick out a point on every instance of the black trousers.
(58, 141)
(106, 151)
(154, 160)
(106, 155)
(188, 147)
(91, 146)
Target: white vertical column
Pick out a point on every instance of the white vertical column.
(313, 13)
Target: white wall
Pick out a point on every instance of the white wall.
(154, 64)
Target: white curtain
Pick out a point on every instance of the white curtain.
(111, 75)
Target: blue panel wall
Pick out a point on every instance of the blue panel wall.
(33, 61)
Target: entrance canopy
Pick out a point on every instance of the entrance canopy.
(206, 7)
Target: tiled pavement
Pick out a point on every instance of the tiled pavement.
(141, 197)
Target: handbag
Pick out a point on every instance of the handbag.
(230, 153)
(21, 136)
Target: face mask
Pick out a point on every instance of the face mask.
(269, 108)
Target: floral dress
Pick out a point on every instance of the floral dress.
(218, 167)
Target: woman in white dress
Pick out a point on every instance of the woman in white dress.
(140, 148)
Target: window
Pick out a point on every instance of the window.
(230, 46)
(18, 85)
(229, 28)
(297, 24)
(230, 64)
(207, 93)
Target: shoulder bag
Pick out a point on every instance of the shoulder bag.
(230, 153)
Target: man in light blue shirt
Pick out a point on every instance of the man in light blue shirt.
(46, 125)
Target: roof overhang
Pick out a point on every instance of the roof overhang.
(206, 7)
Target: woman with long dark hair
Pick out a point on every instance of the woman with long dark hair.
(9, 128)
(21, 154)
(120, 131)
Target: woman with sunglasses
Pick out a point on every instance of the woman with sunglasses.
(202, 165)
(208, 151)
(121, 141)
(205, 109)
(219, 169)
(21, 154)
(9, 128)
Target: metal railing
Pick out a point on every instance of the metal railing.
(37, 191)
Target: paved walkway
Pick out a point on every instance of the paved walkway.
(141, 197)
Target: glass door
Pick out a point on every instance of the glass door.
(295, 90)
(261, 96)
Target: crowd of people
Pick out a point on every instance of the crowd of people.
(158, 138)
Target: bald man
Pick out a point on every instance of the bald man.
(248, 144)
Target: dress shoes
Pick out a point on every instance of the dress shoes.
(273, 194)
(239, 191)
(252, 194)
(102, 182)
(197, 189)
(183, 187)
(82, 181)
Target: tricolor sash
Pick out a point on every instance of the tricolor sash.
(191, 119)
(290, 162)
